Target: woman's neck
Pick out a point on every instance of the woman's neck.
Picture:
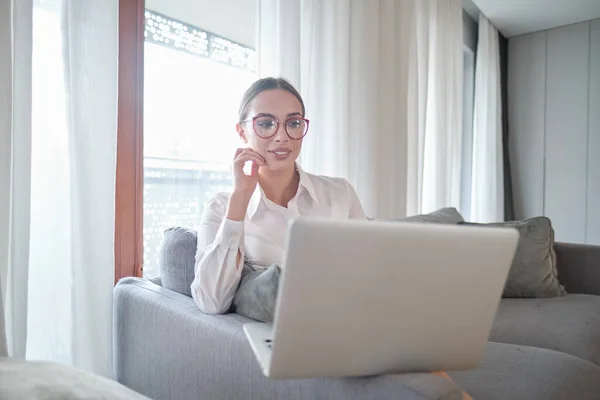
(279, 186)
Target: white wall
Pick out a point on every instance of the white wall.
(233, 19)
(554, 128)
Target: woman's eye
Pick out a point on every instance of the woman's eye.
(294, 123)
(266, 124)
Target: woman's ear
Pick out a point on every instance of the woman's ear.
(240, 130)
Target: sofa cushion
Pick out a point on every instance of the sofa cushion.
(570, 324)
(178, 259)
(523, 372)
(533, 272)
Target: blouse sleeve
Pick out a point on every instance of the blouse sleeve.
(216, 273)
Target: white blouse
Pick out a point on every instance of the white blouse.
(261, 236)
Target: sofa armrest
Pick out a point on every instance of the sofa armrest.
(166, 348)
(578, 267)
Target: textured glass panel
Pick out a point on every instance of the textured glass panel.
(166, 31)
(193, 82)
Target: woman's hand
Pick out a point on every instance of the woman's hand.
(242, 182)
(243, 185)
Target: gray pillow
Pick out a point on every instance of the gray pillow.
(178, 259)
(447, 215)
(533, 272)
(256, 296)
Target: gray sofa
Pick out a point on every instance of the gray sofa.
(165, 348)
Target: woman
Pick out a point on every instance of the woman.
(250, 223)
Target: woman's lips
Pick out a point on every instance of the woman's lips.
(280, 153)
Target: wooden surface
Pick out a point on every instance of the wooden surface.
(129, 180)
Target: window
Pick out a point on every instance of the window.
(193, 81)
(192, 85)
(179, 92)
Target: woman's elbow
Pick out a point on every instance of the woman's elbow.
(212, 305)
(211, 308)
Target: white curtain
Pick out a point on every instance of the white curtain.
(439, 97)
(70, 171)
(15, 161)
(487, 182)
(382, 84)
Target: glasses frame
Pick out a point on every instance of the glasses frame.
(279, 122)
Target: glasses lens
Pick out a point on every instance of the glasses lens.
(296, 127)
(265, 126)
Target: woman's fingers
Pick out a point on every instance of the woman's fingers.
(249, 154)
(258, 155)
(242, 159)
(238, 152)
(254, 170)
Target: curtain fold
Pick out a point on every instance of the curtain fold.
(58, 119)
(440, 130)
(487, 183)
(382, 83)
(15, 157)
(91, 80)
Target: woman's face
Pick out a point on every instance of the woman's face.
(280, 151)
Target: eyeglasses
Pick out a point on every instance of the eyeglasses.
(266, 127)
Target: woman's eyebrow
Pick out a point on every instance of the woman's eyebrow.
(273, 116)
(264, 115)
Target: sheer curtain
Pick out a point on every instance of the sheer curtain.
(439, 79)
(15, 161)
(66, 297)
(487, 187)
(382, 82)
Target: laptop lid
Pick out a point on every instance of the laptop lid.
(369, 297)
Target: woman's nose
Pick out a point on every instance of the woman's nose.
(281, 135)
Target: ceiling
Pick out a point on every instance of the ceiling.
(518, 17)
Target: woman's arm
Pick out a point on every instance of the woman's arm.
(236, 211)
(219, 257)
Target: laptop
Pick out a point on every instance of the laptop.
(363, 298)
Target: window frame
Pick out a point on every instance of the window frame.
(129, 168)
(129, 196)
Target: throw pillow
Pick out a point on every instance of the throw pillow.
(448, 215)
(178, 259)
(533, 272)
(257, 295)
